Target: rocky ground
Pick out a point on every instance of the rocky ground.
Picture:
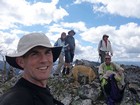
(88, 94)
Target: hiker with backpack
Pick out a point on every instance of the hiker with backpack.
(112, 80)
(104, 47)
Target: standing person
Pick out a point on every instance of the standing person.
(60, 42)
(104, 47)
(111, 76)
(35, 56)
(69, 51)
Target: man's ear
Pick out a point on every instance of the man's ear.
(20, 61)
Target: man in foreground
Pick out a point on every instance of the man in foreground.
(35, 56)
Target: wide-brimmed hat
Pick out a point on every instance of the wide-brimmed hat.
(29, 41)
(71, 31)
(105, 36)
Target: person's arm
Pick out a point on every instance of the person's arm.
(99, 46)
(119, 71)
(74, 44)
(103, 80)
(111, 50)
(118, 67)
(56, 43)
(101, 71)
(67, 43)
(17, 96)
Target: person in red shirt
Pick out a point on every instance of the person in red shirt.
(104, 48)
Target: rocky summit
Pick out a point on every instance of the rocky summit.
(63, 88)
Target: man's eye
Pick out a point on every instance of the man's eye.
(34, 53)
(48, 52)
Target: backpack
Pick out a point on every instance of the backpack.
(56, 43)
(115, 95)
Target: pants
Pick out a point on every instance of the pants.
(69, 55)
(102, 55)
(60, 63)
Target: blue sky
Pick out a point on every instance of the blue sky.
(90, 19)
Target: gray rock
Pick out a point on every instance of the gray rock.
(86, 94)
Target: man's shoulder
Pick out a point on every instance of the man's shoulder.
(17, 95)
(69, 36)
(114, 63)
(102, 64)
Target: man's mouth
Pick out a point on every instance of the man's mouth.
(43, 68)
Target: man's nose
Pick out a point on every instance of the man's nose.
(44, 57)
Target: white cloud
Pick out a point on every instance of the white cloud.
(8, 42)
(79, 26)
(86, 52)
(125, 8)
(55, 30)
(22, 12)
(124, 38)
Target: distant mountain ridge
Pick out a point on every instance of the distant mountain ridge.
(2, 65)
(135, 63)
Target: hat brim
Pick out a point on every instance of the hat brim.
(106, 36)
(71, 32)
(12, 60)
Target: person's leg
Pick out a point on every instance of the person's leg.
(72, 55)
(122, 79)
(102, 56)
(107, 93)
(71, 60)
(67, 62)
(60, 64)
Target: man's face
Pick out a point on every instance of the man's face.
(37, 64)
(107, 60)
(72, 34)
(105, 38)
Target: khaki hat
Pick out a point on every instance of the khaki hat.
(105, 36)
(29, 41)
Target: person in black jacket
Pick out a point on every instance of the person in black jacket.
(35, 56)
